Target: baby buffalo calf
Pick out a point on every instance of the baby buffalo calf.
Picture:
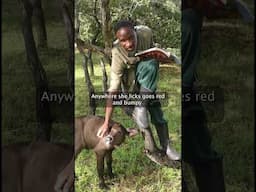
(86, 129)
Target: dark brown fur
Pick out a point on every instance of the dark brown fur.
(86, 129)
(33, 167)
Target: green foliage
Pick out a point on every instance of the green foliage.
(162, 16)
(88, 14)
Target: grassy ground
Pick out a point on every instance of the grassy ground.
(230, 66)
(228, 62)
(18, 91)
(135, 172)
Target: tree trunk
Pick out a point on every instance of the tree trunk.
(43, 130)
(67, 13)
(90, 87)
(40, 23)
(106, 25)
(77, 22)
(89, 55)
(105, 77)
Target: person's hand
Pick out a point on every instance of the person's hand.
(103, 130)
(133, 60)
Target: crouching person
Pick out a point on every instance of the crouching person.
(130, 70)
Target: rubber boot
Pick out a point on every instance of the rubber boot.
(163, 134)
(140, 116)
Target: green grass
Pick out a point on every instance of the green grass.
(18, 90)
(228, 62)
(134, 171)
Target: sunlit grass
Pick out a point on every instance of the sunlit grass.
(134, 171)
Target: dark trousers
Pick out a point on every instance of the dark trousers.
(147, 77)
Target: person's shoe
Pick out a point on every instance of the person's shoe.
(160, 158)
(163, 135)
(172, 154)
(156, 156)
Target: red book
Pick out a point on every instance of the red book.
(159, 54)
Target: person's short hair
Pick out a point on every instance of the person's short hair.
(123, 23)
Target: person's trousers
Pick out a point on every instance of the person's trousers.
(190, 45)
(147, 77)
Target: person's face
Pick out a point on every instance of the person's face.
(126, 37)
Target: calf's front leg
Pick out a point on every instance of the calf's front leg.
(109, 164)
(100, 169)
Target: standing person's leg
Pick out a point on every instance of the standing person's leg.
(157, 118)
(147, 76)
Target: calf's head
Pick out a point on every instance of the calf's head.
(117, 135)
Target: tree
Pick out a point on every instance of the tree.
(29, 9)
(43, 130)
(95, 19)
(163, 16)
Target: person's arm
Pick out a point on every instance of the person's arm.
(108, 114)
(116, 73)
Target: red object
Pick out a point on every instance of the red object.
(158, 56)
